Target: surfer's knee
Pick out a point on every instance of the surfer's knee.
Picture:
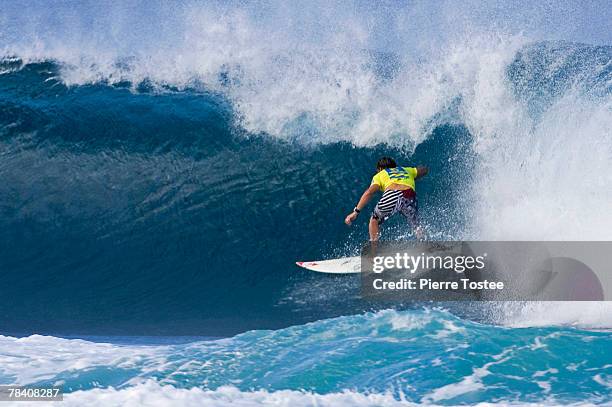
(375, 222)
(377, 218)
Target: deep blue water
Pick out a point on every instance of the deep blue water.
(147, 213)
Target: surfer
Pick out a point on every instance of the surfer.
(399, 195)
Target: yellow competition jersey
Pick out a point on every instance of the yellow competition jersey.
(397, 175)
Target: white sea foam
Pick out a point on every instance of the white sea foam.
(152, 394)
(580, 314)
(36, 358)
(468, 384)
(407, 321)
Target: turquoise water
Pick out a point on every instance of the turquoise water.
(421, 356)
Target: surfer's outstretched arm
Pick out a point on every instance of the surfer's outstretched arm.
(365, 198)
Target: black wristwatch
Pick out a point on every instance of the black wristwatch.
(357, 211)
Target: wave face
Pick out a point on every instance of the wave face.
(157, 204)
(422, 357)
(167, 186)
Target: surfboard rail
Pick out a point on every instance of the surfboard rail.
(344, 265)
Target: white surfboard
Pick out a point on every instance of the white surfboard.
(351, 265)
(344, 265)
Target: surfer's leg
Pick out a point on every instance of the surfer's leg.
(410, 210)
(386, 207)
(420, 233)
(373, 228)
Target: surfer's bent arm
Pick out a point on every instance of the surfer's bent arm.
(363, 201)
(421, 172)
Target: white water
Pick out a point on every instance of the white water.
(558, 313)
(152, 394)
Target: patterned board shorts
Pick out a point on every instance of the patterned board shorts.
(393, 201)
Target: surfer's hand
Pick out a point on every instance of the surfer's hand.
(350, 218)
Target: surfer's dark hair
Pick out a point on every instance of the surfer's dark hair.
(386, 162)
